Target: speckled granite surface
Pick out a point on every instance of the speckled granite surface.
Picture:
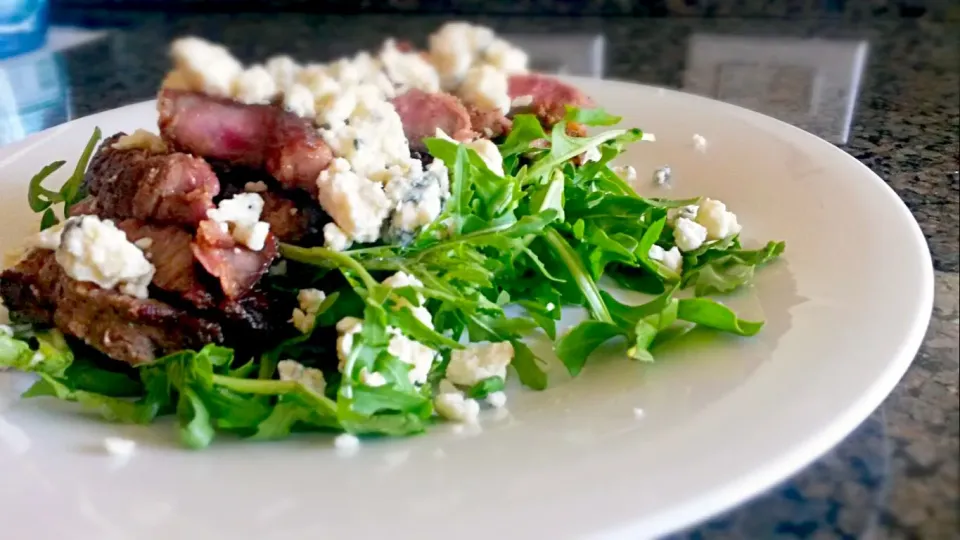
(897, 475)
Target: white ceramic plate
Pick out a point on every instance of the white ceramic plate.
(722, 420)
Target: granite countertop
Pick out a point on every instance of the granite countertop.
(896, 476)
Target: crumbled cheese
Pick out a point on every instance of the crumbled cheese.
(505, 57)
(143, 140)
(346, 443)
(316, 79)
(144, 243)
(347, 328)
(485, 87)
(592, 154)
(408, 69)
(411, 352)
(418, 355)
(312, 378)
(478, 362)
(521, 101)
(255, 187)
(417, 196)
(715, 218)
(254, 86)
(118, 446)
(649, 137)
(699, 142)
(365, 129)
(204, 67)
(551, 306)
(372, 380)
(627, 172)
(662, 175)
(454, 406)
(690, 212)
(357, 204)
(688, 235)
(283, 70)
(402, 279)
(672, 259)
(6, 330)
(304, 316)
(299, 100)
(497, 400)
(278, 269)
(454, 48)
(362, 69)
(638, 413)
(94, 250)
(486, 149)
(334, 238)
(241, 216)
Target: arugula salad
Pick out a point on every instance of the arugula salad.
(555, 231)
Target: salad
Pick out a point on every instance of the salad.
(340, 247)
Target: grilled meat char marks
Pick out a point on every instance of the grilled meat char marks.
(238, 270)
(257, 136)
(132, 330)
(170, 188)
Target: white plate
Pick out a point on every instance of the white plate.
(722, 420)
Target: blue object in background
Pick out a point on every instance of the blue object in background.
(23, 26)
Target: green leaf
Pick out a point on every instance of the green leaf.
(110, 408)
(579, 343)
(563, 148)
(196, 429)
(526, 129)
(579, 273)
(526, 366)
(627, 317)
(648, 328)
(71, 191)
(51, 354)
(38, 197)
(541, 316)
(485, 387)
(48, 219)
(591, 117)
(720, 272)
(712, 314)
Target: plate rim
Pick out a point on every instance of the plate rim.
(776, 468)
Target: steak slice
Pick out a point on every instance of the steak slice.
(237, 268)
(422, 113)
(132, 330)
(168, 188)
(177, 273)
(257, 136)
(550, 97)
(489, 123)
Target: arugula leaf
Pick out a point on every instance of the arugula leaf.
(196, 428)
(579, 343)
(526, 129)
(525, 364)
(51, 354)
(39, 197)
(591, 117)
(485, 387)
(712, 314)
(720, 272)
(580, 276)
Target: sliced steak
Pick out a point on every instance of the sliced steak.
(132, 330)
(489, 123)
(177, 272)
(422, 113)
(257, 136)
(168, 188)
(237, 268)
(550, 96)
